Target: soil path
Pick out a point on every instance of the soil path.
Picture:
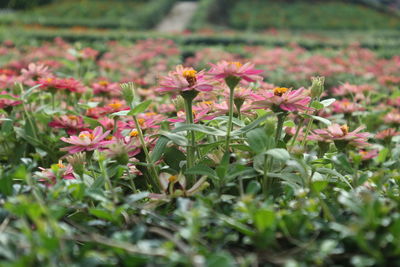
(178, 18)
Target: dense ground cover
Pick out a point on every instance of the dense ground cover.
(219, 167)
(293, 14)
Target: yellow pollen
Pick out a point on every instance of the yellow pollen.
(49, 80)
(60, 164)
(109, 137)
(172, 178)
(103, 83)
(207, 102)
(84, 135)
(279, 91)
(190, 76)
(237, 63)
(141, 121)
(345, 129)
(363, 153)
(150, 113)
(134, 133)
(72, 117)
(115, 105)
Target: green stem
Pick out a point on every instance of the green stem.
(151, 167)
(296, 134)
(190, 157)
(229, 128)
(309, 125)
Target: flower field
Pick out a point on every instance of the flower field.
(143, 154)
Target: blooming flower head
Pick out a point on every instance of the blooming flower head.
(5, 103)
(346, 106)
(368, 154)
(71, 123)
(67, 84)
(49, 176)
(184, 79)
(392, 117)
(30, 75)
(282, 98)
(104, 87)
(387, 134)
(87, 141)
(337, 134)
(225, 69)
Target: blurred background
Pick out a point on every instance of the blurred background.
(310, 23)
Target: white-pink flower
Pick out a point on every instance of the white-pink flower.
(87, 141)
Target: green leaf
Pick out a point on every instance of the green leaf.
(279, 153)
(318, 118)
(178, 139)
(101, 213)
(258, 140)
(253, 188)
(9, 97)
(328, 102)
(139, 108)
(199, 128)
(263, 219)
(202, 170)
(159, 148)
(250, 126)
(226, 118)
(317, 105)
(382, 155)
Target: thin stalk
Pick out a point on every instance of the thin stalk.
(296, 134)
(151, 167)
(309, 125)
(190, 157)
(228, 130)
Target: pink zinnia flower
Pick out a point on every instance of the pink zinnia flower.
(49, 176)
(387, 133)
(346, 106)
(68, 84)
(4, 102)
(335, 133)
(184, 79)
(225, 69)
(105, 87)
(282, 98)
(87, 141)
(392, 117)
(368, 154)
(30, 75)
(71, 123)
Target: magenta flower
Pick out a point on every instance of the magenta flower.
(387, 134)
(346, 106)
(87, 141)
(4, 102)
(184, 79)
(225, 69)
(71, 123)
(337, 133)
(368, 154)
(282, 98)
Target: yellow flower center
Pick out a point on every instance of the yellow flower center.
(49, 80)
(208, 103)
(141, 122)
(72, 117)
(60, 164)
(279, 91)
(190, 76)
(173, 178)
(115, 105)
(134, 133)
(236, 63)
(84, 135)
(150, 113)
(363, 153)
(103, 83)
(345, 129)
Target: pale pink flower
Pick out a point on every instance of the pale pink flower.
(392, 117)
(34, 72)
(368, 154)
(49, 176)
(346, 106)
(335, 132)
(282, 98)
(387, 133)
(4, 102)
(87, 141)
(224, 69)
(184, 79)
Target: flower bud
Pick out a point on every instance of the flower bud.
(179, 103)
(128, 92)
(317, 86)
(77, 161)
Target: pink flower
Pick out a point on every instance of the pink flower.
(104, 87)
(49, 176)
(68, 84)
(184, 79)
(4, 102)
(87, 141)
(368, 154)
(387, 133)
(392, 117)
(335, 133)
(346, 106)
(282, 98)
(71, 123)
(30, 75)
(224, 69)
